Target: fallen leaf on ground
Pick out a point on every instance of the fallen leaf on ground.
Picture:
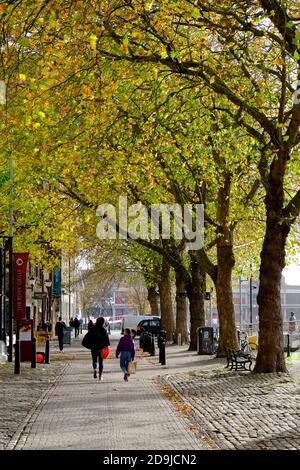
(184, 407)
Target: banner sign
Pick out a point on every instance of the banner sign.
(57, 281)
(25, 335)
(20, 267)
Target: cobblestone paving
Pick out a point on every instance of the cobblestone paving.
(19, 394)
(241, 410)
(191, 403)
(83, 413)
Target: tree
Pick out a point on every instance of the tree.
(203, 42)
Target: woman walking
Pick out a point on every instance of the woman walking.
(126, 350)
(99, 341)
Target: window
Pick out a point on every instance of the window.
(292, 298)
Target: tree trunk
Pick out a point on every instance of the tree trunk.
(167, 318)
(270, 356)
(195, 290)
(181, 309)
(153, 301)
(225, 257)
(227, 332)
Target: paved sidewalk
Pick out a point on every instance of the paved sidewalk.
(20, 394)
(191, 403)
(81, 412)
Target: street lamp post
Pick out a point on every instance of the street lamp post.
(251, 306)
(210, 306)
(69, 289)
(1, 295)
(3, 101)
(241, 279)
(48, 285)
(252, 287)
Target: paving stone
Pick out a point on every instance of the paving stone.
(229, 410)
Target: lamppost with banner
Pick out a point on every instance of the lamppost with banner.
(241, 280)
(48, 285)
(3, 101)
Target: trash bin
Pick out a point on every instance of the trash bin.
(205, 340)
(67, 335)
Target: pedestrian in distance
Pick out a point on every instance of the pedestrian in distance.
(107, 326)
(76, 326)
(81, 324)
(292, 323)
(99, 340)
(59, 332)
(126, 350)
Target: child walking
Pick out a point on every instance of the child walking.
(126, 350)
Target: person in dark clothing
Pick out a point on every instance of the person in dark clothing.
(59, 331)
(100, 340)
(90, 325)
(127, 350)
(76, 326)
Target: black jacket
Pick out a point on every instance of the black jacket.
(59, 328)
(99, 338)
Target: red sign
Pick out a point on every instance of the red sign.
(20, 266)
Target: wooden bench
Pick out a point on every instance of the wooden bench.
(237, 360)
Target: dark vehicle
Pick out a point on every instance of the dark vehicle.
(151, 325)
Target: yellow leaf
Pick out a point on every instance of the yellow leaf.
(258, 100)
(136, 35)
(212, 80)
(278, 61)
(93, 41)
(22, 76)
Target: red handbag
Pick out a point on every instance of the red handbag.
(104, 353)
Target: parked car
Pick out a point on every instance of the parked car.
(132, 322)
(152, 325)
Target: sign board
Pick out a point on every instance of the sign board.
(56, 281)
(20, 267)
(25, 335)
(39, 295)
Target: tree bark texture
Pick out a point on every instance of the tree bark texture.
(225, 257)
(270, 357)
(153, 300)
(195, 290)
(181, 308)
(167, 317)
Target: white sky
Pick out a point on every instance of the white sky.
(292, 273)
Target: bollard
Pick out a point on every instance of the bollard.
(33, 353)
(162, 353)
(288, 346)
(47, 350)
(161, 342)
(152, 346)
(179, 339)
(17, 357)
(142, 340)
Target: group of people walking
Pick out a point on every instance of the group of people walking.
(98, 340)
